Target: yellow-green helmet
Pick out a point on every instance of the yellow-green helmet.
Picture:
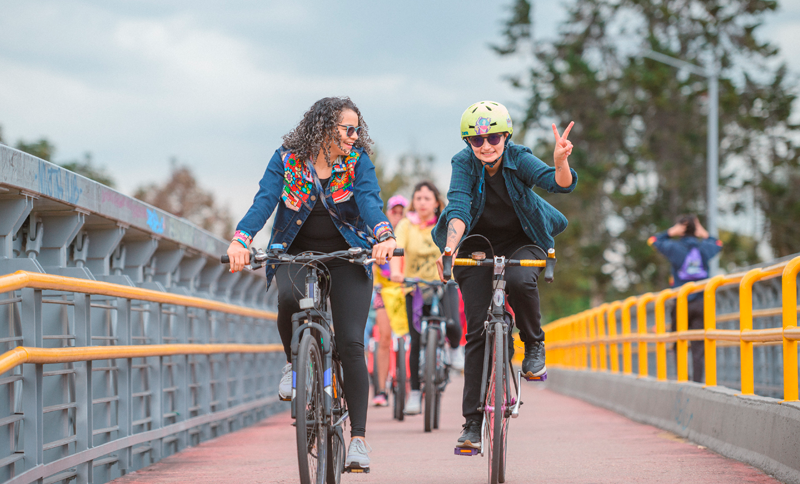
(486, 117)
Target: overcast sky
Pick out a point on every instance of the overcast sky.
(216, 84)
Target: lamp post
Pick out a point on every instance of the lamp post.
(712, 141)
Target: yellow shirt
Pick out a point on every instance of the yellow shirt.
(420, 251)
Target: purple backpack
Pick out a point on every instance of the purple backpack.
(693, 268)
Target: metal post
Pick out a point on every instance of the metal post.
(713, 160)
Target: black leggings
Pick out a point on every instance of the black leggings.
(451, 311)
(351, 292)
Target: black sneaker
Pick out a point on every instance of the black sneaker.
(471, 435)
(533, 364)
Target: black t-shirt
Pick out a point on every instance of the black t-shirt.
(318, 232)
(498, 222)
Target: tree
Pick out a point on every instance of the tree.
(41, 149)
(182, 196)
(640, 130)
(88, 169)
(411, 169)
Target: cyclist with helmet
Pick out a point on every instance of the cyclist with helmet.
(491, 195)
(328, 199)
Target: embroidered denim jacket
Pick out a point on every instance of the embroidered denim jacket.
(521, 171)
(353, 193)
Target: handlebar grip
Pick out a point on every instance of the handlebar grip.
(399, 253)
(549, 269)
(225, 259)
(447, 269)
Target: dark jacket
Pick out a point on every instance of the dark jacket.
(676, 250)
(353, 192)
(522, 171)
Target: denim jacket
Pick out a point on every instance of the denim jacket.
(353, 193)
(522, 171)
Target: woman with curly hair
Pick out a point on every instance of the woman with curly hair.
(328, 199)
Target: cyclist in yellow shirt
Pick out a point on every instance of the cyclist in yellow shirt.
(414, 235)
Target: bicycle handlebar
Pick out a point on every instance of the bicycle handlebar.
(351, 253)
(549, 264)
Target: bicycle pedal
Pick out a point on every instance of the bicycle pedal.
(356, 469)
(468, 451)
(529, 376)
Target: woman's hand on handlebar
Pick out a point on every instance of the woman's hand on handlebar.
(238, 255)
(440, 266)
(382, 251)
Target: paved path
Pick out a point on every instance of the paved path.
(556, 439)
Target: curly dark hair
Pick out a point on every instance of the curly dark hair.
(320, 123)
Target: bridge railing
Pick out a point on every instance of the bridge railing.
(122, 337)
(598, 340)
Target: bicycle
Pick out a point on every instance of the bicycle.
(435, 370)
(499, 404)
(317, 393)
(397, 376)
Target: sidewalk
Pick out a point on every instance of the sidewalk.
(556, 439)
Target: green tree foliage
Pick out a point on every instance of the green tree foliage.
(182, 196)
(87, 168)
(411, 168)
(640, 133)
(41, 149)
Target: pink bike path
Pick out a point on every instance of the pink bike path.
(556, 439)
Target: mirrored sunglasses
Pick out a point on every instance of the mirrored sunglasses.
(351, 130)
(493, 139)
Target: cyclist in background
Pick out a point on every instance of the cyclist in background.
(414, 235)
(328, 199)
(395, 208)
(491, 195)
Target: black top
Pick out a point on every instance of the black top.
(498, 222)
(318, 232)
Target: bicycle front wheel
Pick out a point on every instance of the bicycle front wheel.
(493, 406)
(431, 387)
(310, 422)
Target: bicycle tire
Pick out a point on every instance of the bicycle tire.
(336, 445)
(507, 372)
(431, 387)
(401, 381)
(310, 423)
(493, 405)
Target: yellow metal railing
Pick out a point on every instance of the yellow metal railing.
(589, 340)
(20, 355)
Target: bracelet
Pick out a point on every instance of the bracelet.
(241, 242)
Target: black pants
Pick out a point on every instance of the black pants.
(351, 293)
(476, 290)
(450, 306)
(696, 321)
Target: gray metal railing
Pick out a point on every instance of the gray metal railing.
(92, 421)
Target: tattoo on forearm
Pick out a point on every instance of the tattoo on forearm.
(451, 232)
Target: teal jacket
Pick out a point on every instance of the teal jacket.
(522, 171)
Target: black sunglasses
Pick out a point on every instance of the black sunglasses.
(351, 130)
(493, 139)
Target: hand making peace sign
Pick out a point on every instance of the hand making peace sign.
(563, 145)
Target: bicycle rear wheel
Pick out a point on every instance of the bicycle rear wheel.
(400, 380)
(310, 422)
(431, 386)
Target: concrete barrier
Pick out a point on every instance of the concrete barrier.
(759, 431)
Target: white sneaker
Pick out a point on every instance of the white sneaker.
(414, 403)
(285, 386)
(456, 358)
(357, 459)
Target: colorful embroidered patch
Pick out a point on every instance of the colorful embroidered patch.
(482, 125)
(297, 182)
(344, 175)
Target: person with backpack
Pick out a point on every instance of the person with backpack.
(689, 247)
